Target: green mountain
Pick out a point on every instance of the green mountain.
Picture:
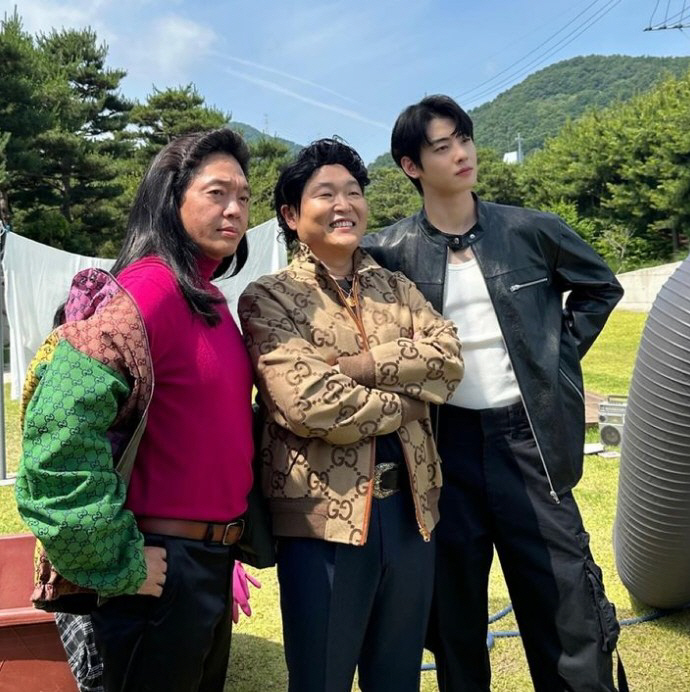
(539, 106)
(251, 134)
(382, 161)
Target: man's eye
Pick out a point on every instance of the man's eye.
(443, 147)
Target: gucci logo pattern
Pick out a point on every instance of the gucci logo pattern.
(85, 390)
(317, 445)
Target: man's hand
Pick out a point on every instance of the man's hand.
(156, 567)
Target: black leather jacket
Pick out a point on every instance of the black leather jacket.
(529, 259)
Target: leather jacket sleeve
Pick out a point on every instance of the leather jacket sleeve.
(594, 290)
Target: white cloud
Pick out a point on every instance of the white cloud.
(173, 47)
(41, 16)
(258, 66)
(279, 88)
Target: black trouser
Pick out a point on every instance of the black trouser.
(179, 642)
(367, 606)
(496, 493)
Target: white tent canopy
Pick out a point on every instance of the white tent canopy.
(37, 278)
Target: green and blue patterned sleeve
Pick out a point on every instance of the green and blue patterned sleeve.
(67, 490)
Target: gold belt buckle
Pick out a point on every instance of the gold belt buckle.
(379, 492)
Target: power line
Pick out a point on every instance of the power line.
(524, 57)
(673, 21)
(543, 57)
(653, 12)
(534, 30)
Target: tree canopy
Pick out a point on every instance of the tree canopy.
(73, 148)
(611, 147)
(539, 106)
(626, 170)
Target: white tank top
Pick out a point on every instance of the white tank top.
(489, 380)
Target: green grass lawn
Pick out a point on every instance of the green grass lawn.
(609, 364)
(656, 654)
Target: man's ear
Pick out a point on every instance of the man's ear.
(290, 215)
(410, 168)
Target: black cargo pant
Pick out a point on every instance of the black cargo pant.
(496, 493)
(179, 642)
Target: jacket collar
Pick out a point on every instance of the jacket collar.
(305, 259)
(451, 240)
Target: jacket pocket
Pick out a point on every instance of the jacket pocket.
(516, 287)
(572, 384)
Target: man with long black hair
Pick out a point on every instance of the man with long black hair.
(157, 552)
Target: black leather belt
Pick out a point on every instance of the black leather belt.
(389, 477)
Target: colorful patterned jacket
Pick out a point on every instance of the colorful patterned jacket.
(88, 386)
(394, 354)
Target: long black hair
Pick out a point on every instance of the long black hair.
(155, 227)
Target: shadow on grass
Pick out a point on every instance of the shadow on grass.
(670, 618)
(255, 664)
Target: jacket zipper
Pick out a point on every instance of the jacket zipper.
(517, 287)
(365, 345)
(572, 384)
(552, 491)
(356, 316)
(370, 494)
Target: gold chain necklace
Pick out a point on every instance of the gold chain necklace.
(349, 298)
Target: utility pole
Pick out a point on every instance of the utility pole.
(519, 140)
(677, 20)
(4, 229)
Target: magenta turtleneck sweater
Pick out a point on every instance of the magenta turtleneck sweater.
(194, 460)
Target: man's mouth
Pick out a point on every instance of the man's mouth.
(343, 223)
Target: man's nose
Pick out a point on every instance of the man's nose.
(232, 208)
(342, 201)
(460, 150)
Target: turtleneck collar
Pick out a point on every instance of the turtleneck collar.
(207, 266)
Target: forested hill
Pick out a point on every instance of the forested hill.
(540, 105)
(251, 134)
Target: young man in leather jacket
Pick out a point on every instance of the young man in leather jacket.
(511, 437)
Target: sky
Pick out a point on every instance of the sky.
(304, 69)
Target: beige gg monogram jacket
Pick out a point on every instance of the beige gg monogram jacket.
(334, 371)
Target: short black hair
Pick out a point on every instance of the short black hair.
(409, 132)
(294, 177)
(155, 226)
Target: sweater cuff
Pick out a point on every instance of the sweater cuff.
(360, 368)
(412, 409)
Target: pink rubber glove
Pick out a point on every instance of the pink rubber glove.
(240, 591)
